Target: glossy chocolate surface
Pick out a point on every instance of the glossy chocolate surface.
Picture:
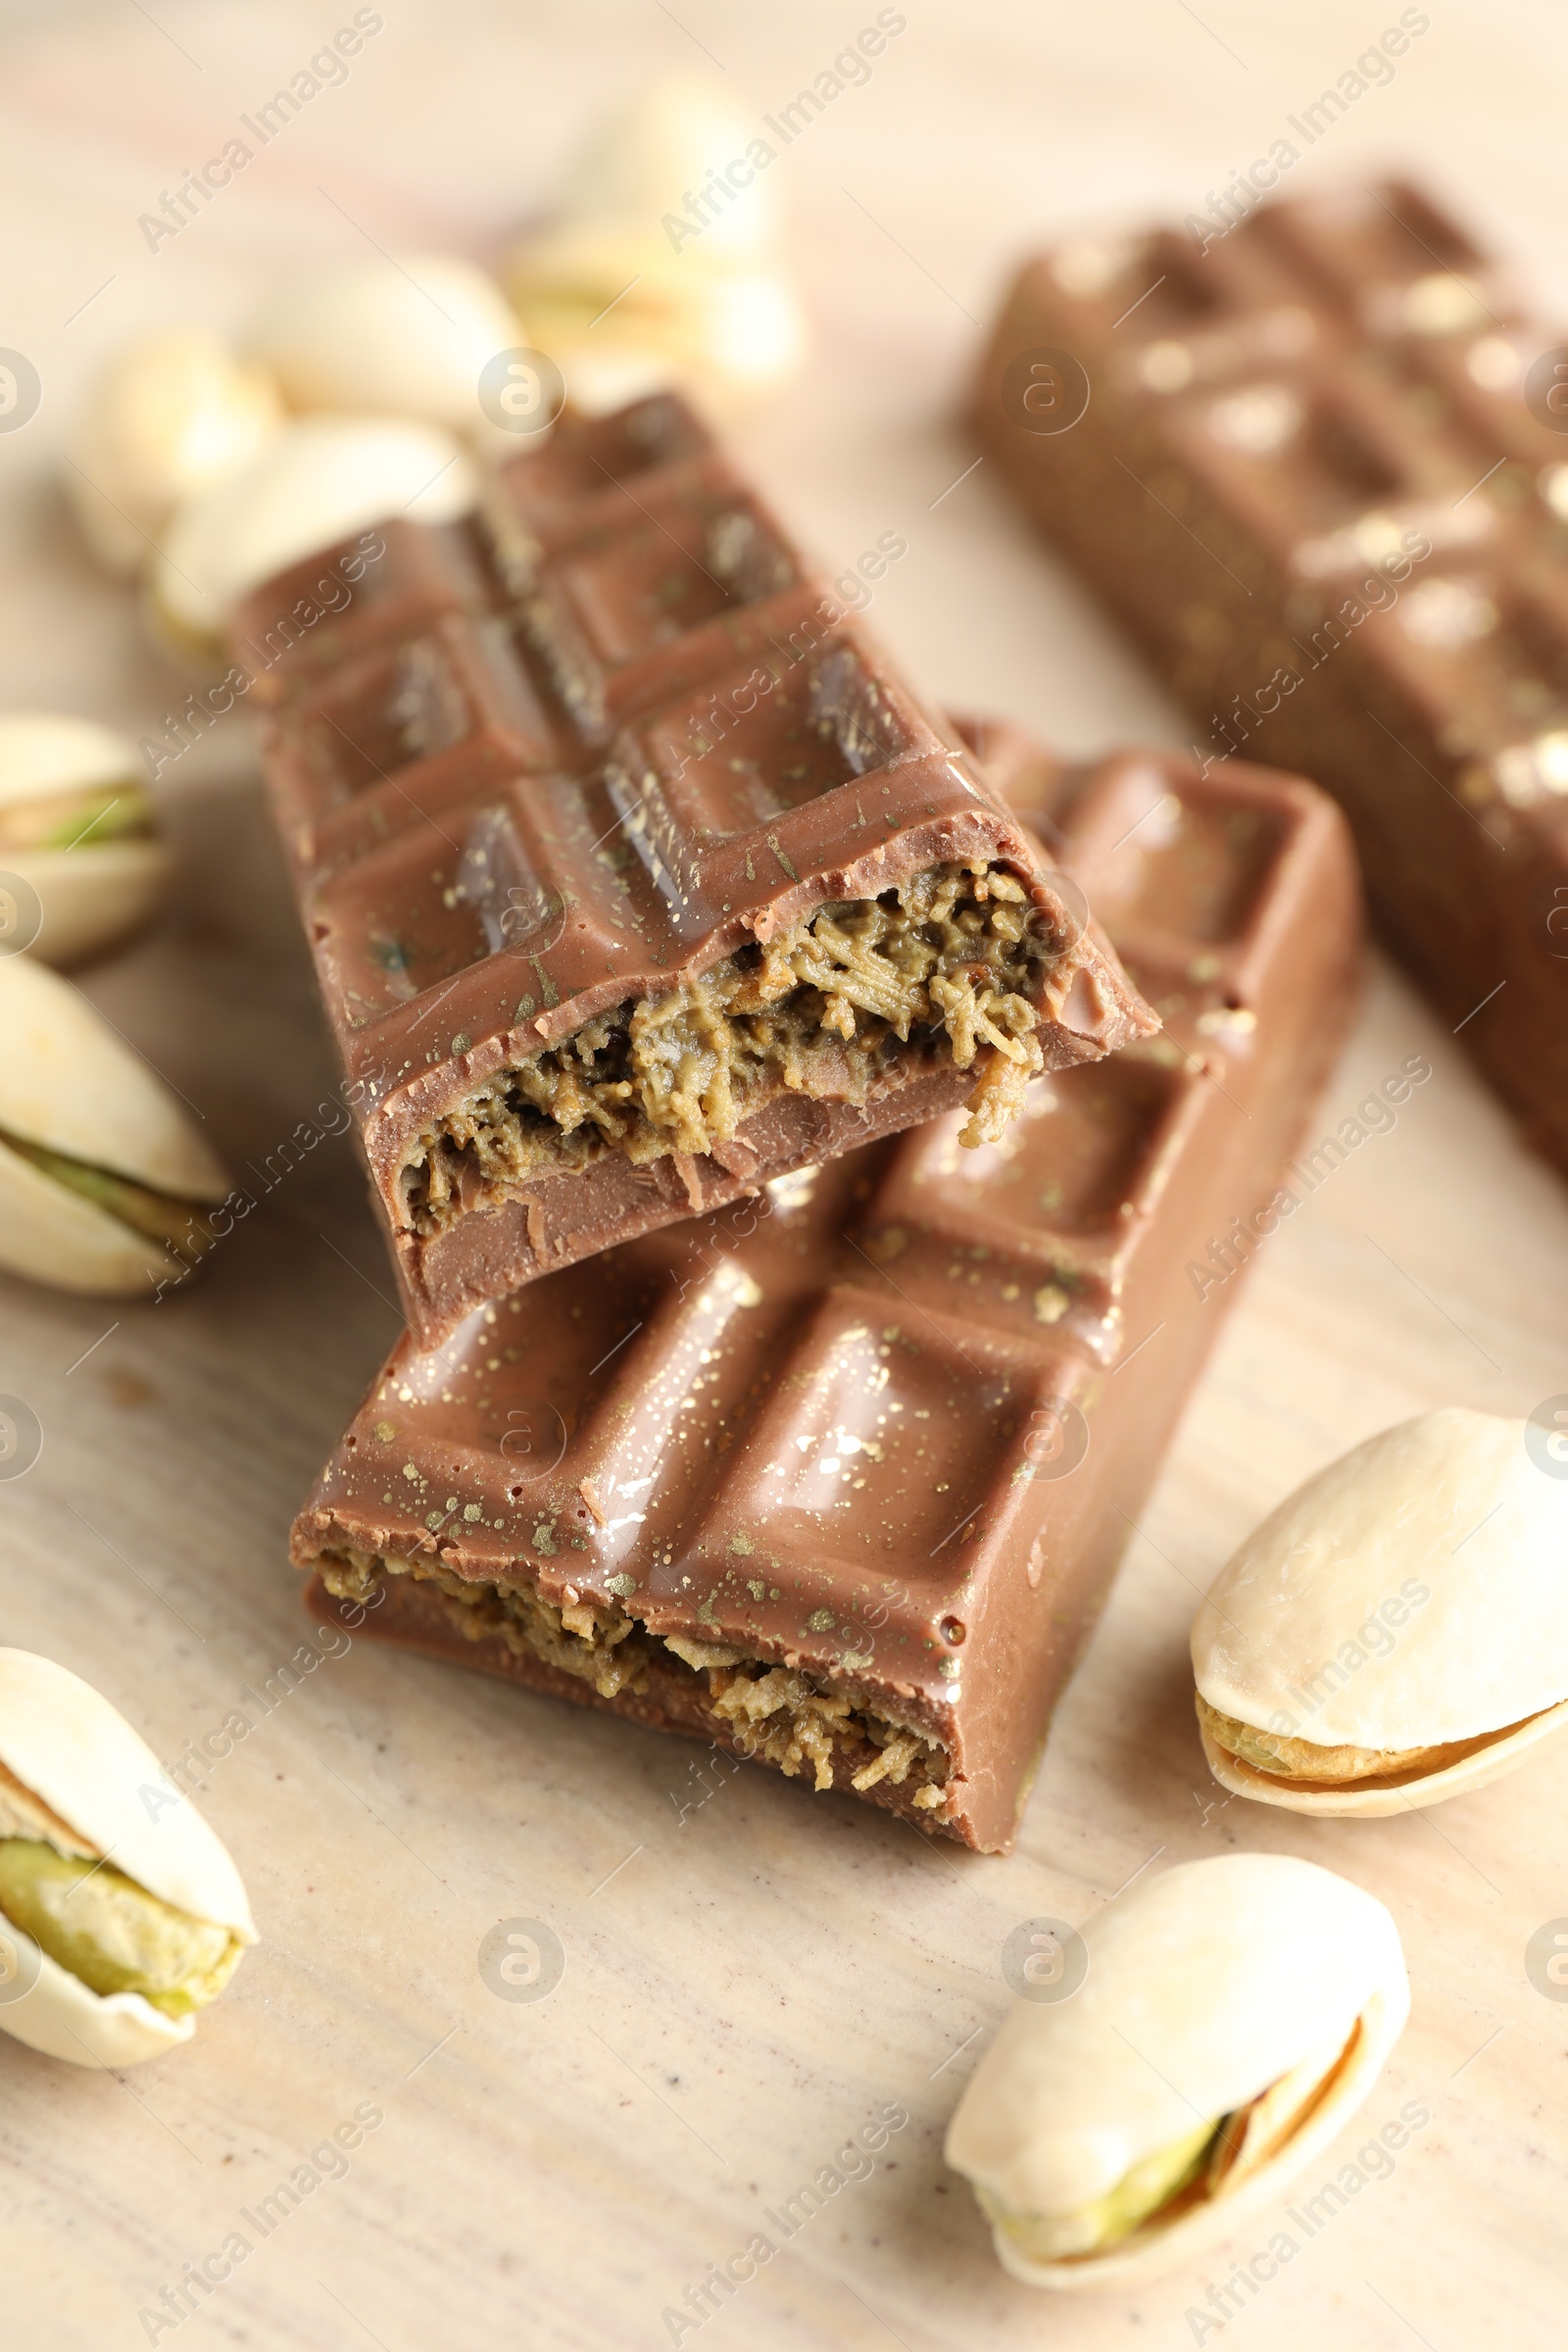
(633, 739)
(1274, 433)
(887, 1423)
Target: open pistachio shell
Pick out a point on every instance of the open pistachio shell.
(650, 272)
(91, 896)
(43, 755)
(72, 1091)
(75, 823)
(167, 417)
(646, 160)
(1250, 1991)
(1397, 1632)
(387, 338)
(73, 1773)
(54, 1236)
(724, 337)
(321, 479)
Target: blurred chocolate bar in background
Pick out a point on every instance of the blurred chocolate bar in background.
(837, 1479)
(1319, 466)
(634, 874)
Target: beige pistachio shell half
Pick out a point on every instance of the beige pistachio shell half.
(1235, 2014)
(321, 479)
(91, 898)
(77, 827)
(725, 339)
(165, 419)
(647, 159)
(1397, 1632)
(80, 1115)
(651, 270)
(43, 753)
(76, 1780)
(402, 339)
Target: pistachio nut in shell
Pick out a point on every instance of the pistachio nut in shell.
(663, 261)
(103, 1172)
(120, 1912)
(77, 825)
(404, 339)
(164, 420)
(1397, 1632)
(725, 338)
(631, 182)
(1235, 2014)
(322, 478)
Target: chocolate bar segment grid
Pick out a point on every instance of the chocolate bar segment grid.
(615, 753)
(1321, 477)
(838, 1478)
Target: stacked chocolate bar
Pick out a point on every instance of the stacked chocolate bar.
(636, 876)
(1319, 466)
(649, 905)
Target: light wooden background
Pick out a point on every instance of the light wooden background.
(743, 1986)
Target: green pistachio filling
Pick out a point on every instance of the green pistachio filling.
(79, 820)
(1292, 1759)
(1209, 2162)
(111, 1934)
(1151, 2183)
(179, 1224)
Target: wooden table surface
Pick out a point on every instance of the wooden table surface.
(746, 1984)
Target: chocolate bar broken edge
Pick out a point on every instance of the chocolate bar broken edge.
(1306, 958)
(426, 1066)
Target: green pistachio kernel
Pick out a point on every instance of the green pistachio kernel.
(121, 811)
(180, 1225)
(110, 1933)
(1150, 2184)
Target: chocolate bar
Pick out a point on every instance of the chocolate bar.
(634, 874)
(1318, 465)
(835, 1479)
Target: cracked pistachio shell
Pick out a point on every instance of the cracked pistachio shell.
(384, 340)
(724, 339)
(66, 1745)
(323, 478)
(708, 307)
(647, 159)
(1411, 1595)
(92, 893)
(167, 419)
(1206, 1986)
(70, 1083)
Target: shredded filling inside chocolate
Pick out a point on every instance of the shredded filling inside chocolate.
(781, 1715)
(949, 962)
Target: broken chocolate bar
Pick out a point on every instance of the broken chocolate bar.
(1322, 474)
(649, 883)
(837, 1478)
